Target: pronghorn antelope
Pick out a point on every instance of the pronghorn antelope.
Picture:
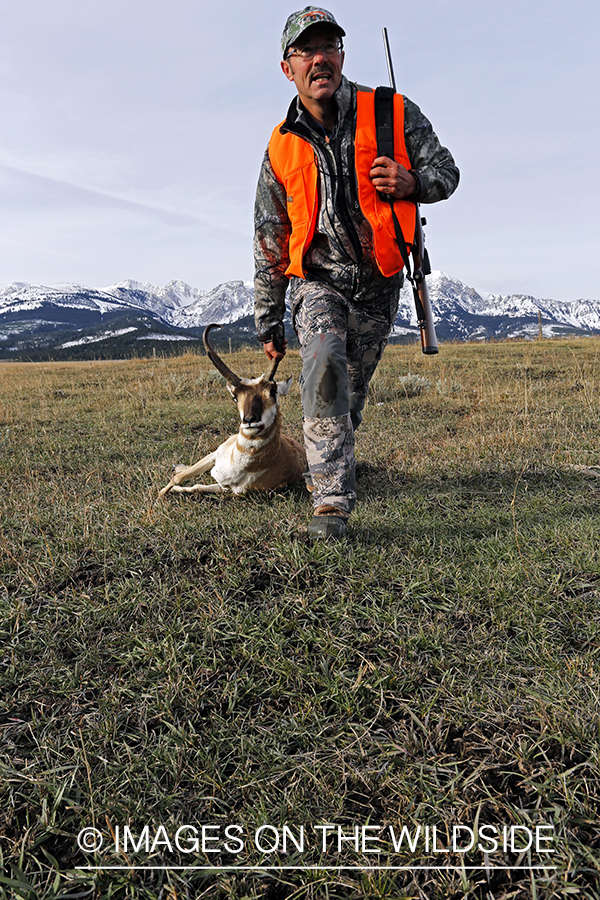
(259, 457)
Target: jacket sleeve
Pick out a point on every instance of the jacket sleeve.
(432, 164)
(272, 230)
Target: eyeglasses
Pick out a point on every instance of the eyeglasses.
(310, 50)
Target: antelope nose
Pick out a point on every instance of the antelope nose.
(249, 420)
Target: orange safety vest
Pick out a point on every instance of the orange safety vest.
(295, 166)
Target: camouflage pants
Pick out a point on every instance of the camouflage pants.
(342, 341)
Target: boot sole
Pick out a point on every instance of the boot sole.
(327, 527)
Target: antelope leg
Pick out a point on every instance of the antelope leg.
(184, 473)
(198, 488)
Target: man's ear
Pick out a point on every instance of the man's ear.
(287, 70)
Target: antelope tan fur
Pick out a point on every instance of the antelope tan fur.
(259, 457)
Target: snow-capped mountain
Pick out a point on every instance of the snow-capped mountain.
(64, 317)
(164, 302)
(462, 313)
(19, 298)
(224, 304)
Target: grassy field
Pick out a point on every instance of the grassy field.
(198, 662)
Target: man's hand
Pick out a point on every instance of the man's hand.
(272, 353)
(389, 177)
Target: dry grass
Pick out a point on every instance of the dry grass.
(199, 661)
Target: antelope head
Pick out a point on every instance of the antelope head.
(256, 398)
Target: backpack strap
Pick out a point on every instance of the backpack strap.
(384, 121)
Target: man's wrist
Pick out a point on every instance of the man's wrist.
(274, 335)
(418, 185)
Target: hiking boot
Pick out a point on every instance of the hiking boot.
(328, 522)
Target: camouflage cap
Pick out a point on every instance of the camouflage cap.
(300, 21)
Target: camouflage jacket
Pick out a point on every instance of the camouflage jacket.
(341, 251)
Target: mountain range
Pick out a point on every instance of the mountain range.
(70, 321)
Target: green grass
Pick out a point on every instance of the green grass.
(198, 661)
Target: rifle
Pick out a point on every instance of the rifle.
(421, 266)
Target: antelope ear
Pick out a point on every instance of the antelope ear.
(283, 387)
(231, 391)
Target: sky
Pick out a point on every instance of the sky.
(133, 132)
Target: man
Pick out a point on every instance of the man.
(321, 224)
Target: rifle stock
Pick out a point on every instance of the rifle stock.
(421, 266)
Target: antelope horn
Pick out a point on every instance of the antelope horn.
(271, 375)
(216, 360)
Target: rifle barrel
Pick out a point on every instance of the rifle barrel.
(388, 56)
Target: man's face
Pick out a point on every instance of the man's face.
(317, 78)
